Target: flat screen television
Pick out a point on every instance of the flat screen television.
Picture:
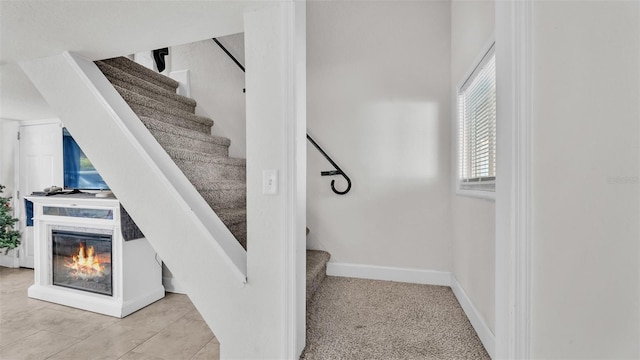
(79, 173)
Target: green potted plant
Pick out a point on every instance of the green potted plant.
(9, 237)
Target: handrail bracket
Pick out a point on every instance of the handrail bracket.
(335, 172)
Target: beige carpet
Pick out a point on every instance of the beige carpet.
(367, 319)
(171, 119)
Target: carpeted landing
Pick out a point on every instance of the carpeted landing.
(368, 319)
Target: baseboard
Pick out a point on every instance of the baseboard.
(133, 305)
(477, 320)
(372, 272)
(171, 285)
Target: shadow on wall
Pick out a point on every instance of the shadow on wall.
(399, 133)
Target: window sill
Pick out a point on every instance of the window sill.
(478, 194)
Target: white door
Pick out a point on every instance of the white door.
(40, 166)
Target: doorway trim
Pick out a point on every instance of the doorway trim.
(514, 53)
(21, 192)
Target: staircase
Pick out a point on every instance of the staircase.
(202, 157)
(171, 119)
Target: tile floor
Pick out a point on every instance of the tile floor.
(169, 329)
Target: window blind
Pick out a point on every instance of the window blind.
(477, 120)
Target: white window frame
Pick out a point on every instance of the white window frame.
(478, 192)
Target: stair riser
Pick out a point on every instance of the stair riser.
(316, 271)
(140, 71)
(224, 199)
(170, 119)
(239, 229)
(153, 95)
(137, 84)
(172, 140)
(212, 171)
(315, 283)
(160, 108)
(233, 216)
(187, 138)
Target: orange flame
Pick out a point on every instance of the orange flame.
(87, 264)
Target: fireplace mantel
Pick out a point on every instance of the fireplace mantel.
(136, 271)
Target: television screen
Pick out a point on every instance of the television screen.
(79, 173)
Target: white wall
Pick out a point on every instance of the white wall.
(472, 25)
(216, 84)
(586, 166)
(8, 131)
(379, 104)
(8, 149)
(275, 43)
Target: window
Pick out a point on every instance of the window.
(79, 173)
(477, 127)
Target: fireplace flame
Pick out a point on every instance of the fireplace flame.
(86, 264)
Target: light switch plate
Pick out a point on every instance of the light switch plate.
(270, 182)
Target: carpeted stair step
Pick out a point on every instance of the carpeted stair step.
(198, 165)
(236, 221)
(144, 106)
(170, 119)
(145, 88)
(240, 232)
(202, 157)
(223, 194)
(137, 70)
(316, 270)
(176, 136)
(232, 216)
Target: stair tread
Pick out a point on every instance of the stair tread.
(232, 216)
(129, 66)
(187, 138)
(223, 194)
(113, 73)
(316, 259)
(141, 100)
(213, 185)
(190, 155)
(170, 119)
(178, 130)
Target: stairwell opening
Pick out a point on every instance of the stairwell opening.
(178, 105)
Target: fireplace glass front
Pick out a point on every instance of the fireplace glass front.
(82, 261)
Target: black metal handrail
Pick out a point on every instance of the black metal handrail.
(337, 171)
(229, 54)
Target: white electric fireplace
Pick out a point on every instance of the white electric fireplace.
(82, 260)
